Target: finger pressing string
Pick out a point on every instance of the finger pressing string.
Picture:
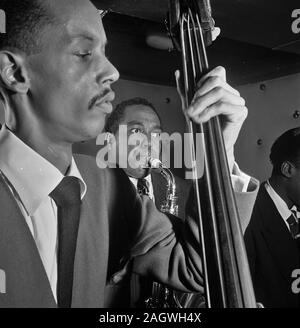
(217, 71)
(233, 113)
(199, 104)
(213, 82)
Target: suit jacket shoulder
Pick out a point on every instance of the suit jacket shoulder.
(272, 254)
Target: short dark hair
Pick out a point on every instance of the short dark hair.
(113, 121)
(25, 20)
(286, 148)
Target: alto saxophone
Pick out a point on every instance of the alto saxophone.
(162, 296)
(170, 203)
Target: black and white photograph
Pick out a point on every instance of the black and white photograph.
(150, 158)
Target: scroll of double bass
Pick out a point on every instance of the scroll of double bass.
(226, 271)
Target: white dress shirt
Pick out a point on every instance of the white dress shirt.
(31, 179)
(280, 204)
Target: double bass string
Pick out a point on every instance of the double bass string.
(227, 279)
(193, 69)
(231, 223)
(209, 145)
(195, 64)
(216, 150)
(222, 182)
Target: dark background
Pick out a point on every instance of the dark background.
(256, 41)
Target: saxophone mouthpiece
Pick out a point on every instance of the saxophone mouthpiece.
(154, 163)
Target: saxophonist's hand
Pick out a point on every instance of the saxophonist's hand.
(216, 97)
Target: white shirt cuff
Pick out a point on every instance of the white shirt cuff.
(240, 180)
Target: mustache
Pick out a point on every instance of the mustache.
(98, 97)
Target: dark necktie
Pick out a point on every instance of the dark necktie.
(143, 187)
(294, 226)
(67, 198)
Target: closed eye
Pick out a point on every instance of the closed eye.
(84, 55)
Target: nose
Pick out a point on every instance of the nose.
(110, 73)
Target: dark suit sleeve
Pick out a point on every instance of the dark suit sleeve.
(170, 253)
(167, 252)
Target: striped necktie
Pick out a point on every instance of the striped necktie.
(293, 222)
(143, 187)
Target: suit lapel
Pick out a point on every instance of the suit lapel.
(91, 257)
(277, 236)
(27, 281)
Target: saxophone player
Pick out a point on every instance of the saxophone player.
(140, 117)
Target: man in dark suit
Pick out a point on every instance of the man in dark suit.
(272, 237)
(141, 119)
(62, 219)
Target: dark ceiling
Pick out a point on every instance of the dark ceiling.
(262, 22)
(256, 42)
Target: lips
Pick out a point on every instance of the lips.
(105, 106)
(105, 103)
(109, 97)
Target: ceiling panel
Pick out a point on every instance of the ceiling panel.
(154, 10)
(261, 22)
(245, 62)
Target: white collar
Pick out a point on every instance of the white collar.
(31, 175)
(135, 180)
(280, 204)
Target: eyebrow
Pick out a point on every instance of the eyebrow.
(87, 36)
(139, 123)
(134, 122)
(157, 127)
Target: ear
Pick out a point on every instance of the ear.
(13, 74)
(287, 169)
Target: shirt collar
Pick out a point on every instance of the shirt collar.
(31, 175)
(280, 204)
(149, 179)
(135, 180)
